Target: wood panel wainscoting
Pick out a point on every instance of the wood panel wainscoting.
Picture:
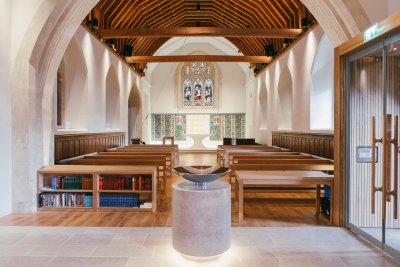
(74, 145)
(318, 144)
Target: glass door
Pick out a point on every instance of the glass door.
(392, 223)
(372, 151)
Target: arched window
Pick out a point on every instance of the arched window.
(60, 95)
(198, 84)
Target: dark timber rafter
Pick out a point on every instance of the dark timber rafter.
(200, 31)
(198, 58)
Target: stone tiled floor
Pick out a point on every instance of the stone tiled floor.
(136, 246)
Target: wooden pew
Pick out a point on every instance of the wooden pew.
(282, 161)
(116, 161)
(225, 149)
(164, 168)
(292, 166)
(281, 178)
(226, 154)
(233, 157)
(172, 149)
(168, 157)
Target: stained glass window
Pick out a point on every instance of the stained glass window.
(198, 84)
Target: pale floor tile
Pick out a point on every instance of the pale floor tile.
(90, 239)
(139, 262)
(150, 230)
(108, 230)
(260, 239)
(70, 230)
(28, 229)
(370, 261)
(10, 239)
(243, 252)
(44, 239)
(259, 262)
(23, 261)
(123, 251)
(88, 262)
(158, 240)
(128, 240)
(15, 250)
(62, 251)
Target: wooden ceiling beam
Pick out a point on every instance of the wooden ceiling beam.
(200, 31)
(198, 58)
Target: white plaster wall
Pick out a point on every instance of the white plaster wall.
(23, 12)
(229, 87)
(112, 100)
(86, 81)
(322, 87)
(75, 87)
(378, 10)
(393, 6)
(5, 110)
(299, 59)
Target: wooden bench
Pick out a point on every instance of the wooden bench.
(221, 149)
(172, 149)
(168, 157)
(165, 168)
(224, 155)
(292, 166)
(281, 178)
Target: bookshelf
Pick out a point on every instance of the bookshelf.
(97, 188)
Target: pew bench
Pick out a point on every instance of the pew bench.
(245, 179)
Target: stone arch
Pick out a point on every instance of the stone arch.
(112, 99)
(322, 84)
(340, 19)
(135, 114)
(75, 87)
(285, 87)
(40, 53)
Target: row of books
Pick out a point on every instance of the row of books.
(139, 182)
(71, 182)
(119, 200)
(65, 200)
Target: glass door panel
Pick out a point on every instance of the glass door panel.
(366, 101)
(392, 222)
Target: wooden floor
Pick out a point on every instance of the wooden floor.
(260, 209)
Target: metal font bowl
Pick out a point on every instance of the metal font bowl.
(201, 174)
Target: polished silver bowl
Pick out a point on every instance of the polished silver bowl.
(201, 174)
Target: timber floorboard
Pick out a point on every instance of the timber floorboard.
(260, 209)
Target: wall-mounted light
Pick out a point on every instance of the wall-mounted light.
(305, 24)
(285, 43)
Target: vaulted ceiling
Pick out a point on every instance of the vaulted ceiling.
(140, 23)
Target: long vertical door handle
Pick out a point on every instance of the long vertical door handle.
(395, 142)
(373, 188)
(384, 163)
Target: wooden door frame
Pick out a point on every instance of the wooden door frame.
(386, 27)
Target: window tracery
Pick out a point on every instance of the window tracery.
(198, 84)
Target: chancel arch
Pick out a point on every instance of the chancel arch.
(112, 99)
(38, 55)
(285, 94)
(321, 95)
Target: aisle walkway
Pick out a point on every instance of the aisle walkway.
(145, 247)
